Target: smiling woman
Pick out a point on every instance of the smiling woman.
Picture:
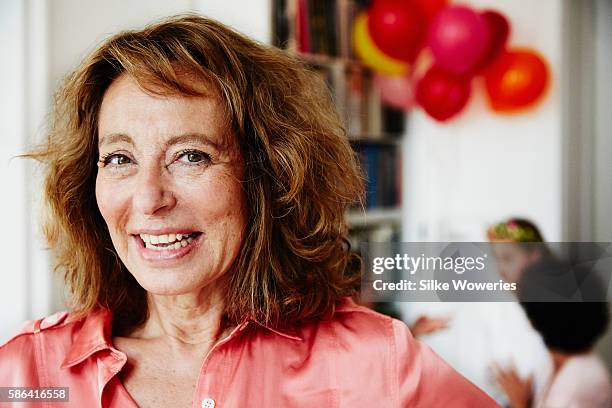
(160, 177)
(196, 187)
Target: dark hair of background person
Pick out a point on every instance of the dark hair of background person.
(300, 172)
(566, 326)
(570, 327)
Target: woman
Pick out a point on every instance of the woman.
(196, 186)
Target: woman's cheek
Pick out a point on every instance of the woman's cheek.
(213, 204)
(218, 193)
(111, 198)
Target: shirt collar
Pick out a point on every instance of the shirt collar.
(288, 332)
(95, 335)
(344, 304)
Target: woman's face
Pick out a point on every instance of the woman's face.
(168, 188)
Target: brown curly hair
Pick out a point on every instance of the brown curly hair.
(300, 172)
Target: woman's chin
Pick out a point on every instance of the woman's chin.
(170, 281)
(166, 287)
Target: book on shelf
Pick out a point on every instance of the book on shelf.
(358, 101)
(315, 26)
(381, 166)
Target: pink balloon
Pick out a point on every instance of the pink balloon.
(459, 39)
(395, 90)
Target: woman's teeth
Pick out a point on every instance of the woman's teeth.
(165, 242)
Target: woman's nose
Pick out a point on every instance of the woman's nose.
(152, 195)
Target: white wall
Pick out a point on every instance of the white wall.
(482, 167)
(14, 277)
(77, 27)
(251, 17)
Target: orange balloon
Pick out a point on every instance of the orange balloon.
(516, 79)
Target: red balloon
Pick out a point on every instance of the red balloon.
(458, 38)
(516, 79)
(397, 27)
(499, 31)
(430, 8)
(441, 94)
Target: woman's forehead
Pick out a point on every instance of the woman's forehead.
(127, 90)
(129, 109)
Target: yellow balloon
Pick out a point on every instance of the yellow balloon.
(369, 53)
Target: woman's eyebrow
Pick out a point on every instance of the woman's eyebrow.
(178, 139)
(194, 138)
(115, 138)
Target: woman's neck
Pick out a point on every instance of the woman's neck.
(559, 359)
(183, 322)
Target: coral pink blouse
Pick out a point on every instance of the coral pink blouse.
(359, 358)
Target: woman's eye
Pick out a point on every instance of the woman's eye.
(117, 159)
(194, 157)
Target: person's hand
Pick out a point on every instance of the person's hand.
(426, 325)
(519, 391)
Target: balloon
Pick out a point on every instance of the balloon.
(516, 79)
(499, 30)
(396, 91)
(397, 28)
(429, 8)
(369, 54)
(441, 94)
(458, 38)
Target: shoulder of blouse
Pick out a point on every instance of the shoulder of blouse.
(34, 326)
(38, 341)
(412, 373)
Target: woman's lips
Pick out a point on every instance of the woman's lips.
(169, 252)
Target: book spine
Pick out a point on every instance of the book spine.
(330, 34)
(303, 26)
(372, 165)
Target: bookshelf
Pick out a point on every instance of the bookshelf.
(319, 32)
(360, 219)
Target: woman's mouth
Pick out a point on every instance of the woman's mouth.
(166, 246)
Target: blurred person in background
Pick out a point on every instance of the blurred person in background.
(479, 336)
(570, 330)
(516, 244)
(196, 185)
